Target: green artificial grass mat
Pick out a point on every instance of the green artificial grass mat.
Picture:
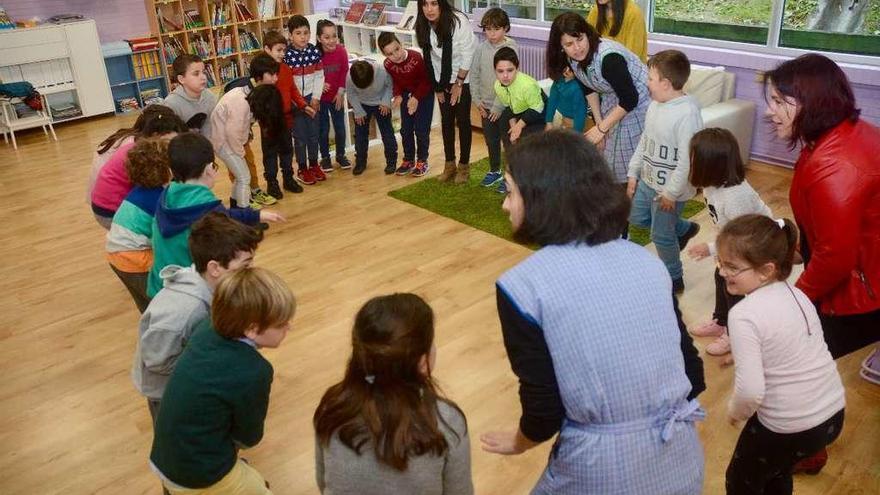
(480, 207)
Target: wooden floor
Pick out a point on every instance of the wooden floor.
(73, 424)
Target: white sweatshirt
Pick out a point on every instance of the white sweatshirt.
(727, 203)
(783, 368)
(464, 42)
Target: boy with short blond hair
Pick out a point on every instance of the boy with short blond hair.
(216, 401)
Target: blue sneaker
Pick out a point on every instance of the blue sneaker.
(491, 179)
(502, 187)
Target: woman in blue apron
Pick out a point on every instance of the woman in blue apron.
(591, 333)
(616, 82)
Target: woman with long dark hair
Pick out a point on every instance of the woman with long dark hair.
(572, 324)
(385, 428)
(623, 22)
(616, 83)
(447, 41)
(835, 198)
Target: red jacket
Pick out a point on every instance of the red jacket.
(835, 197)
(290, 96)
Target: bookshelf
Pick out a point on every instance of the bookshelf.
(137, 79)
(225, 33)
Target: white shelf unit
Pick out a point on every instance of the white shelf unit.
(361, 41)
(63, 62)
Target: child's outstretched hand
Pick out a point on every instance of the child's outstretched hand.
(698, 251)
(631, 187)
(412, 104)
(271, 216)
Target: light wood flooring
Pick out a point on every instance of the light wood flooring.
(71, 422)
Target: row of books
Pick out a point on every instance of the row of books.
(198, 45)
(247, 41)
(166, 23)
(192, 19)
(173, 49)
(127, 104)
(229, 72)
(369, 15)
(266, 8)
(220, 14)
(146, 65)
(242, 12)
(223, 43)
(143, 44)
(209, 73)
(151, 96)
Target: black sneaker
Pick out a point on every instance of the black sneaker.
(291, 185)
(678, 285)
(343, 162)
(359, 169)
(390, 168)
(326, 165)
(274, 190)
(262, 226)
(690, 234)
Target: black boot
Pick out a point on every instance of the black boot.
(291, 185)
(273, 189)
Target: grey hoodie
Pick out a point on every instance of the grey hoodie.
(482, 75)
(186, 107)
(166, 325)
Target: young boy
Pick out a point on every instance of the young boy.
(410, 84)
(566, 97)
(279, 152)
(368, 87)
(658, 171)
(216, 400)
(495, 24)
(231, 122)
(219, 245)
(519, 101)
(187, 199)
(306, 73)
(189, 100)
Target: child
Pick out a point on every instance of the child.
(410, 83)
(716, 167)
(216, 400)
(306, 74)
(187, 199)
(495, 24)
(385, 428)
(112, 183)
(129, 249)
(334, 58)
(189, 100)
(567, 97)
(369, 93)
(659, 169)
(231, 121)
(786, 384)
(276, 144)
(219, 245)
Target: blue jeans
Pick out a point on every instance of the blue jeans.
(415, 129)
(666, 226)
(327, 114)
(305, 137)
(362, 136)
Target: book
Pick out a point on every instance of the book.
(243, 12)
(267, 8)
(374, 15)
(143, 44)
(193, 19)
(408, 19)
(355, 12)
(151, 96)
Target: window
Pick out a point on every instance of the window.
(824, 25)
(746, 21)
(516, 9)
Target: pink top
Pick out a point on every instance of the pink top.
(335, 69)
(113, 184)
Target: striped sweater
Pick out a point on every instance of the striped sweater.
(129, 248)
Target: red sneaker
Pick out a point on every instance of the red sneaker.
(306, 177)
(811, 465)
(317, 173)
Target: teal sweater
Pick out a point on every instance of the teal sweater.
(215, 403)
(567, 97)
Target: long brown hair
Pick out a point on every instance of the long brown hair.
(574, 25)
(446, 24)
(385, 399)
(149, 113)
(759, 240)
(618, 8)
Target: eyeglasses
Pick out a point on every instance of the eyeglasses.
(730, 272)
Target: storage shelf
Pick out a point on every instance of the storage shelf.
(153, 78)
(116, 85)
(60, 88)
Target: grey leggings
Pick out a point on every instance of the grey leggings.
(241, 189)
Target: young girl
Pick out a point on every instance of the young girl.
(335, 60)
(717, 168)
(265, 104)
(567, 97)
(112, 183)
(129, 249)
(385, 428)
(786, 384)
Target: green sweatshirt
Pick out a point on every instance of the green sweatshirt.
(522, 94)
(215, 403)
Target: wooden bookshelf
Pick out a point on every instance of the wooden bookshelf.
(193, 26)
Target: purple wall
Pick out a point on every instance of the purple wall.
(116, 20)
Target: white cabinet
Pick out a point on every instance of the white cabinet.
(63, 62)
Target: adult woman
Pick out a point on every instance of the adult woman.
(444, 34)
(616, 82)
(623, 22)
(835, 198)
(571, 327)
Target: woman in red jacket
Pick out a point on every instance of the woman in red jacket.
(835, 197)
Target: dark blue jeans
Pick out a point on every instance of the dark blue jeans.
(327, 114)
(362, 136)
(275, 152)
(415, 129)
(305, 137)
